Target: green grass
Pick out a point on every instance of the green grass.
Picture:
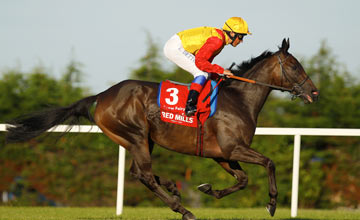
(49, 213)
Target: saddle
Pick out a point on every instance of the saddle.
(172, 98)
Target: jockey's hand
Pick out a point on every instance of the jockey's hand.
(228, 73)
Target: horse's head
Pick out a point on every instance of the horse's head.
(291, 75)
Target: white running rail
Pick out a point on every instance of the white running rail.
(296, 132)
(121, 162)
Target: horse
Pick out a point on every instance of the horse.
(129, 115)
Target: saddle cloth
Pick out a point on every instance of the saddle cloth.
(172, 97)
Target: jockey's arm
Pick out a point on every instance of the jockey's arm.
(206, 54)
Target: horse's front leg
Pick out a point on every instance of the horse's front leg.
(233, 168)
(248, 155)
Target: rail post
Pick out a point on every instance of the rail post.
(120, 185)
(295, 179)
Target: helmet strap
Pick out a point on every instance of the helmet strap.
(231, 37)
(229, 27)
(228, 33)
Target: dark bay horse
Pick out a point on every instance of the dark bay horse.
(129, 115)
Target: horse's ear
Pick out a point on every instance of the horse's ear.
(285, 45)
(288, 43)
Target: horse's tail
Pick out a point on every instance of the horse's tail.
(29, 126)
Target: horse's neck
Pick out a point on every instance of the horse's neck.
(252, 96)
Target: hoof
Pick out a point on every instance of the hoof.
(271, 209)
(205, 188)
(189, 216)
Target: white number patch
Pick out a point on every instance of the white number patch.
(173, 94)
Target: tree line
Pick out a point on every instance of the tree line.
(81, 169)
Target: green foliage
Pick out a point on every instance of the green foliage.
(321, 175)
(21, 93)
(65, 170)
(81, 169)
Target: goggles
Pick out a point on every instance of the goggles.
(240, 36)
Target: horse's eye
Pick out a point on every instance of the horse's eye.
(294, 67)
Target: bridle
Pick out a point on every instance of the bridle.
(296, 90)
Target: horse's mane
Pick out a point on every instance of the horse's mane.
(242, 68)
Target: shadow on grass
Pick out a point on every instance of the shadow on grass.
(259, 219)
(256, 219)
(118, 218)
(99, 218)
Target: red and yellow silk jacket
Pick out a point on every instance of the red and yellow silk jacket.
(204, 43)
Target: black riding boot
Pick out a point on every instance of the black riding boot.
(191, 102)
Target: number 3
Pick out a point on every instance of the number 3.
(173, 94)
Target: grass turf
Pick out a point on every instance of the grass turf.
(95, 213)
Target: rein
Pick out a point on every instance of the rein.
(260, 83)
(296, 90)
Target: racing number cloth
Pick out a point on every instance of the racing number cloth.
(172, 99)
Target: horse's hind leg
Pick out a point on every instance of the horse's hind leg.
(235, 170)
(143, 172)
(169, 185)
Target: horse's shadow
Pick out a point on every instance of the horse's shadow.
(114, 218)
(258, 219)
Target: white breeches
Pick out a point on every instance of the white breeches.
(175, 52)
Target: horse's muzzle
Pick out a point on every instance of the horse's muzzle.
(309, 98)
(315, 95)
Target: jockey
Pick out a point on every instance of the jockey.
(194, 49)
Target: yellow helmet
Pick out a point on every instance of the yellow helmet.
(237, 25)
